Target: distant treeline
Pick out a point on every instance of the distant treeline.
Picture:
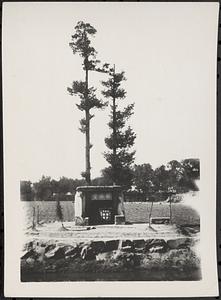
(147, 184)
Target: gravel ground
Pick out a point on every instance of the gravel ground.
(104, 232)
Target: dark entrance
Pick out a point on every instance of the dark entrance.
(101, 212)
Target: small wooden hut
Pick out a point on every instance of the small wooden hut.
(100, 204)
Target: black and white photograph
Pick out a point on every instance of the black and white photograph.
(109, 125)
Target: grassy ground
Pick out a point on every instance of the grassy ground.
(136, 212)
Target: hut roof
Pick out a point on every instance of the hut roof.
(106, 188)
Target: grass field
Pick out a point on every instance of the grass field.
(136, 212)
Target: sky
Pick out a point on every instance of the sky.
(167, 52)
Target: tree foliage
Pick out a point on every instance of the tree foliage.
(47, 189)
(101, 181)
(149, 183)
(59, 212)
(175, 177)
(144, 178)
(43, 188)
(121, 139)
(192, 167)
(26, 191)
(81, 44)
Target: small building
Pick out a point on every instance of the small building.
(100, 204)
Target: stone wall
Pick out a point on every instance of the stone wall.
(166, 256)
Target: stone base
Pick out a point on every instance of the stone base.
(119, 220)
(79, 221)
(160, 220)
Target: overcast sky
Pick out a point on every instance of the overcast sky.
(167, 52)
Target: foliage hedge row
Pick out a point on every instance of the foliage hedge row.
(147, 183)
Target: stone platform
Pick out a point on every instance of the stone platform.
(104, 232)
(110, 252)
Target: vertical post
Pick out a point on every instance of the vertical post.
(34, 211)
(33, 218)
(38, 217)
(150, 212)
(170, 210)
(87, 133)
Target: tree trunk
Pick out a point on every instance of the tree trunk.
(33, 219)
(145, 196)
(150, 214)
(34, 211)
(38, 215)
(114, 133)
(87, 149)
(170, 210)
(87, 134)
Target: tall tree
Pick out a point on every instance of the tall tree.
(120, 140)
(81, 44)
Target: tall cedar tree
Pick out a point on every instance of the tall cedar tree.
(81, 44)
(120, 140)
